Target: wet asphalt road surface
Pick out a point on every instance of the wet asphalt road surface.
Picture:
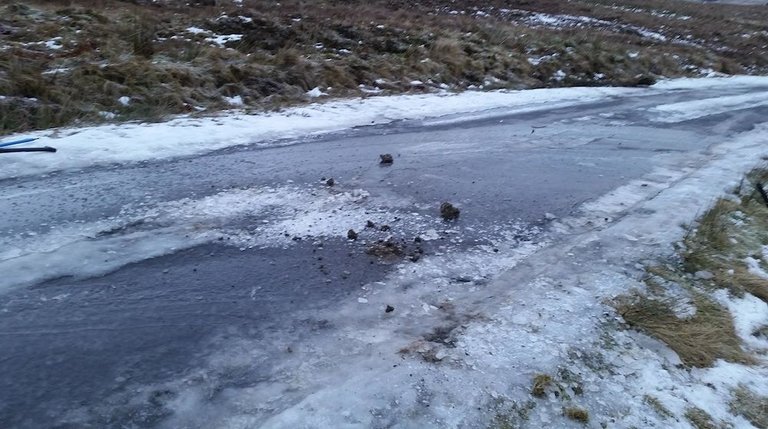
(72, 348)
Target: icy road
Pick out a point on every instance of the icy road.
(146, 281)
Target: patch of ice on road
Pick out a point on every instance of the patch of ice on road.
(81, 147)
(712, 83)
(244, 218)
(688, 110)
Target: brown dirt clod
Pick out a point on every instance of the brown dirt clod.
(448, 211)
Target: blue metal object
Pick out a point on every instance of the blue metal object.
(26, 140)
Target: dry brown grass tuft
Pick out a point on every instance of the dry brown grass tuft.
(699, 340)
(657, 406)
(541, 382)
(577, 414)
(700, 419)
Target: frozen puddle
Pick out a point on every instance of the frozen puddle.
(245, 218)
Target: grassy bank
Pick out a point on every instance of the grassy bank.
(84, 61)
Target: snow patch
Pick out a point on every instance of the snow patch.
(688, 110)
(316, 92)
(234, 101)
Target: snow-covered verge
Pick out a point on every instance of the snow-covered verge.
(184, 136)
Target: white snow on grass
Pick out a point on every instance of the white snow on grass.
(536, 19)
(753, 266)
(54, 43)
(234, 101)
(750, 314)
(197, 30)
(223, 39)
(316, 92)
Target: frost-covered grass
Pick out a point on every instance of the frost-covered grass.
(682, 306)
(699, 340)
(729, 241)
(752, 406)
(65, 62)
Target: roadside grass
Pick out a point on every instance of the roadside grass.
(734, 230)
(564, 387)
(701, 419)
(698, 340)
(724, 249)
(68, 62)
(658, 406)
(751, 406)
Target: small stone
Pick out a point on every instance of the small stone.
(448, 211)
(370, 224)
(330, 182)
(549, 216)
(351, 234)
(415, 257)
(385, 228)
(389, 309)
(362, 300)
(386, 159)
(703, 275)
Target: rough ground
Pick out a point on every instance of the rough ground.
(74, 61)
